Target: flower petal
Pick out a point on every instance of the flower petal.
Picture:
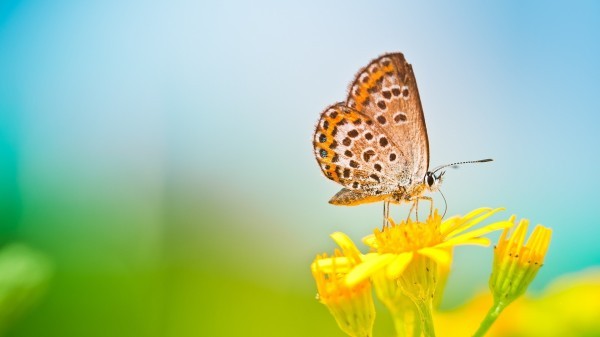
(472, 219)
(476, 233)
(454, 222)
(540, 241)
(397, 266)
(517, 238)
(371, 264)
(328, 265)
(474, 213)
(347, 245)
(449, 224)
(370, 240)
(441, 256)
(472, 241)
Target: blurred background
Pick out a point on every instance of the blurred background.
(156, 166)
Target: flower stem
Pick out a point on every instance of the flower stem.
(424, 308)
(490, 318)
(399, 324)
(404, 321)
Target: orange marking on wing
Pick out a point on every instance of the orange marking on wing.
(343, 113)
(372, 82)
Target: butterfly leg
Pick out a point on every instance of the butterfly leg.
(417, 209)
(386, 213)
(430, 206)
(415, 206)
(411, 210)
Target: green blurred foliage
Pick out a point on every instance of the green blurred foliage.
(24, 276)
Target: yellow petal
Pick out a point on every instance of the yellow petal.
(397, 266)
(472, 241)
(364, 270)
(473, 219)
(449, 224)
(517, 239)
(454, 222)
(547, 237)
(478, 232)
(370, 241)
(538, 242)
(476, 212)
(440, 256)
(502, 241)
(340, 264)
(348, 247)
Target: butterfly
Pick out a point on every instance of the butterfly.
(375, 143)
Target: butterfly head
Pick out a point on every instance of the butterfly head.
(433, 181)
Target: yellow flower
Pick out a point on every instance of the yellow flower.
(409, 258)
(398, 245)
(568, 306)
(401, 307)
(351, 305)
(515, 263)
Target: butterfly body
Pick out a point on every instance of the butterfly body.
(375, 143)
(348, 197)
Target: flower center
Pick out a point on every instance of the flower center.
(408, 236)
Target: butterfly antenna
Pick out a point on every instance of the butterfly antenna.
(445, 203)
(454, 165)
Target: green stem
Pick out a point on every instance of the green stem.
(405, 321)
(424, 308)
(399, 323)
(490, 318)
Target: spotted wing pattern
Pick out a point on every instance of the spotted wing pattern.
(351, 149)
(386, 92)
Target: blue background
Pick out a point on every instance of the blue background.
(159, 153)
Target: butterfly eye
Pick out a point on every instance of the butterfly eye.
(430, 179)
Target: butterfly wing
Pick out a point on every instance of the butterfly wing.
(386, 92)
(345, 144)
